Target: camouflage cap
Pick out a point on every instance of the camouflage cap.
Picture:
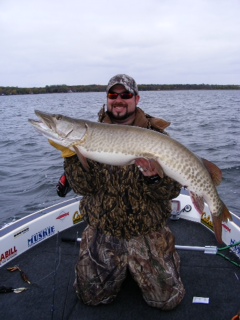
(128, 82)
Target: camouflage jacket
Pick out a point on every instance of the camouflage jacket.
(120, 201)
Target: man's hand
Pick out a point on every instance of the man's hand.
(66, 153)
(63, 186)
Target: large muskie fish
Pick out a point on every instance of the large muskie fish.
(122, 145)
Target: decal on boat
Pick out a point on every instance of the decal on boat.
(21, 232)
(206, 220)
(41, 235)
(62, 216)
(77, 217)
(226, 228)
(236, 249)
(8, 254)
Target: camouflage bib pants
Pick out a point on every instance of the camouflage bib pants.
(151, 259)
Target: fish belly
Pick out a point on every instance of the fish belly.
(111, 158)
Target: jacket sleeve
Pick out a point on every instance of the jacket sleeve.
(163, 189)
(81, 181)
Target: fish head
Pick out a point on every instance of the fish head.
(63, 130)
(57, 123)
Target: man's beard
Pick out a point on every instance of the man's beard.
(118, 117)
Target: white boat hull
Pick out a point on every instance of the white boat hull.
(27, 232)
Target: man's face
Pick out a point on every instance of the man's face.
(119, 108)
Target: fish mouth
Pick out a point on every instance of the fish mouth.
(47, 119)
(48, 125)
(45, 125)
(38, 124)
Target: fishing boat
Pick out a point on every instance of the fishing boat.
(38, 254)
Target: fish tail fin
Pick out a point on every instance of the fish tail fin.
(226, 215)
(217, 228)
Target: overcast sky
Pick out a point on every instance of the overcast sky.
(74, 42)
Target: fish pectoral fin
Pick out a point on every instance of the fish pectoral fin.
(154, 163)
(214, 171)
(198, 202)
(81, 158)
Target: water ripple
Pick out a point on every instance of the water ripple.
(207, 122)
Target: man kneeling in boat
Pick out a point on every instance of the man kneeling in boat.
(126, 209)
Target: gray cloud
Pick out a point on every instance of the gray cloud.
(156, 41)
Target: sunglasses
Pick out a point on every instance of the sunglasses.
(123, 95)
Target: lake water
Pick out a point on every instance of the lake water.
(207, 122)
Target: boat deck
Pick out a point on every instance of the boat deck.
(51, 294)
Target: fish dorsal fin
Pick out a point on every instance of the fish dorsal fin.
(214, 171)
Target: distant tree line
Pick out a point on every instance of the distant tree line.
(101, 88)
